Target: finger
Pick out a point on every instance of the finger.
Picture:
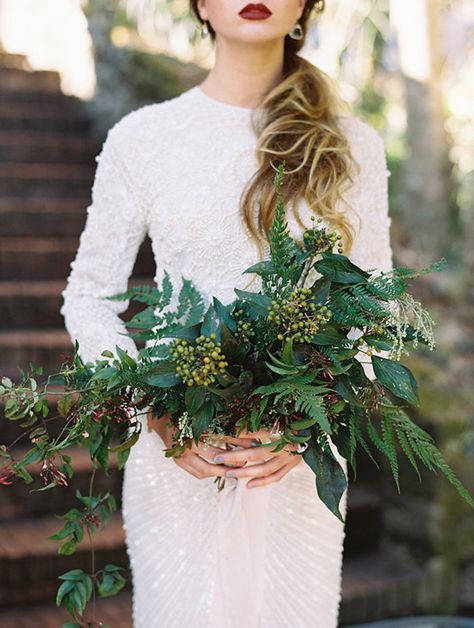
(235, 458)
(261, 434)
(241, 442)
(269, 479)
(201, 469)
(258, 470)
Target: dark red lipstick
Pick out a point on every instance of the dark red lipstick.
(255, 12)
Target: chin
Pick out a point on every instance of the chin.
(254, 34)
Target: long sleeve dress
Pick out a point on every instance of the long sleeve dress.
(267, 557)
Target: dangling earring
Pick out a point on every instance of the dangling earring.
(296, 32)
(204, 30)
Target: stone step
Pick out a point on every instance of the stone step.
(18, 501)
(42, 217)
(52, 180)
(30, 563)
(34, 81)
(45, 147)
(115, 612)
(25, 304)
(50, 258)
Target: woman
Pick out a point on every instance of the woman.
(196, 173)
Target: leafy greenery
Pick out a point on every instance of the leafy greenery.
(292, 359)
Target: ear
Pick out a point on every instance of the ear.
(202, 9)
(301, 6)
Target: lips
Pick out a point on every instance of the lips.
(255, 12)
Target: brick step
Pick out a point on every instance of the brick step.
(363, 599)
(30, 563)
(53, 179)
(115, 612)
(31, 110)
(35, 81)
(13, 60)
(64, 121)
(50, 258)
(42, 217)
(25, 304)
(44, 147)
(17, 502)
(46, 348)
(40, 98)
(364, 524)
(380, 585)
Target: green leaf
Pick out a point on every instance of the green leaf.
(397, 378)
(67, 548)
(211, 323)
(302, 424)
(224, 313)
(287, 355)
(73, 574)
(320, 290)
(202, 419)
(163, 375)
(259, 302)
(128, 444)
(194, 398)
(65, 588)
(124, 357)
(328, 336)
(378, 342)
(339, 269)
(331, 481)
(65, 404)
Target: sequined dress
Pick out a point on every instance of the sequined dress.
(268, 557)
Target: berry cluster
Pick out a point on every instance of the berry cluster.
(198, 364)
(321, 240)
(298, 317)
(244, 328)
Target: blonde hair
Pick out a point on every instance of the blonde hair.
(296, 122)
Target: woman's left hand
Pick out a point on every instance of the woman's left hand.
(267, 466)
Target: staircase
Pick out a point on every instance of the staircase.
(46, 173)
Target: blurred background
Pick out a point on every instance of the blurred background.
(68, 71)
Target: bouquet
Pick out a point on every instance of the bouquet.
(292, 359)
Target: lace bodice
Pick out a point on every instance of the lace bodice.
(176, 170)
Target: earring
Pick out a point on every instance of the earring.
(204, 30)
(296, 32)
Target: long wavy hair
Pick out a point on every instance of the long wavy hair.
(296, 122)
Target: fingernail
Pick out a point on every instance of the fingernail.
(231, 474)
(218, 459)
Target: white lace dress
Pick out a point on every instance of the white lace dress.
(268, 557)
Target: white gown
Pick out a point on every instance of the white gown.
(268, 557)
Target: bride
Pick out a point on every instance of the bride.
(195, 173)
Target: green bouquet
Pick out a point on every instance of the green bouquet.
(288, 359)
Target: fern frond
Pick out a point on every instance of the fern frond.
(407, 450)
(389, 442)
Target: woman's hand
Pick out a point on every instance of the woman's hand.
(267, 467)
(198, 460)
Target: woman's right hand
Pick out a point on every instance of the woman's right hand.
(196, 460)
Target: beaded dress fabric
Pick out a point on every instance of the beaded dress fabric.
(267, 557)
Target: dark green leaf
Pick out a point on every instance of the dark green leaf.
(331, 481)
(397, 378)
